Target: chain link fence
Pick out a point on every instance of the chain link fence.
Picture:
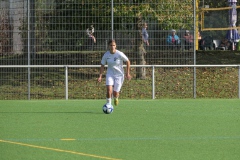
(59, 32)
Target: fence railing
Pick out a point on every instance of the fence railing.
(160, 77)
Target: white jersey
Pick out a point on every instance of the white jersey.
(114, 62)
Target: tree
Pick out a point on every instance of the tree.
(17, 14)
(128, 15)
(170, 13)
(5, 41)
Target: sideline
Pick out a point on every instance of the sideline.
(58, 150)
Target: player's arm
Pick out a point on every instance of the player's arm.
(128, 76)
(101, 72)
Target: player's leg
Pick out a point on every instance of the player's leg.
(118, 82)
(115, 96)
(109, 86)
(109, 93)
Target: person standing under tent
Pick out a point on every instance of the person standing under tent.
(115, 72)
(232, 34)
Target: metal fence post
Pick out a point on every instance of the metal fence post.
(29, 50)
(153, 82)
(112, 19)
(29, 82)
(194, 83)
(66, 82)
(239, 82)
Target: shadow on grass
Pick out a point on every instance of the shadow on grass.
(84, 112)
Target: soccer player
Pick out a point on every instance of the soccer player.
(115, 72)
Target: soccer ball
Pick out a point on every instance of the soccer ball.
(107, 108)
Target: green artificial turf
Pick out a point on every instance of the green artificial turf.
(186, 129)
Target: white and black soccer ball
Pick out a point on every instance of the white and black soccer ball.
(107, 108)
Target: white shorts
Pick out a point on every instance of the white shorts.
(116, 82)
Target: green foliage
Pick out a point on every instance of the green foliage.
(5, 40)
(168, 14)
(61, 25)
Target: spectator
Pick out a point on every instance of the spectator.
(207, 43)
(91, 39)
(188, 40)
(225, 44)
(199, 36)
(199, 40)
(145, 34)
(173, 40)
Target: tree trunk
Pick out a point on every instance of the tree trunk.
(140, 50)
(5, 42)
(16, 17)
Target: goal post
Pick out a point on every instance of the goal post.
(202, 13)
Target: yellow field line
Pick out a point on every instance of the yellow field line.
(59, 150)
(67, 139)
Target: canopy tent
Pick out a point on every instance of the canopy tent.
(232, 34)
